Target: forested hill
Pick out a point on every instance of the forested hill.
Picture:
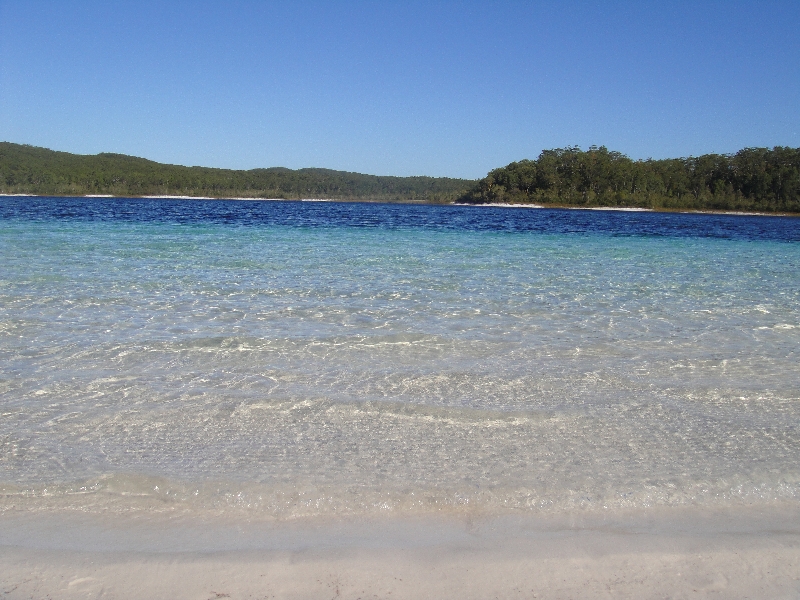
(32, 170)
(753, 179)
(759, 179)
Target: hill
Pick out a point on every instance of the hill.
(32, 170)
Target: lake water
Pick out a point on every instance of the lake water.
(304, 358)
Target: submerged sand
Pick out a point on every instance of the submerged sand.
(658, 553)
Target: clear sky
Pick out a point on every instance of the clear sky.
(397, 88)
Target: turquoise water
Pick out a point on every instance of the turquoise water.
(292, 359)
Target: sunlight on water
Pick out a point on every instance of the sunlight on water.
(296, 362)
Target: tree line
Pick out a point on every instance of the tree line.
(32, 170)
(753, 179)
(757, 179)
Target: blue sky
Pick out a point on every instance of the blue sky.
(397, 88)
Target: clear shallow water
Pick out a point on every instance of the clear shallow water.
(304, 358)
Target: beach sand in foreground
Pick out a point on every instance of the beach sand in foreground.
(668, 553)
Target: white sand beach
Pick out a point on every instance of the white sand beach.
(661, 553)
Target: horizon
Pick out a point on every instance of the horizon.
(434, 90)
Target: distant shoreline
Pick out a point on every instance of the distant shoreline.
(422, 203)
(752, 181)
(637, 209)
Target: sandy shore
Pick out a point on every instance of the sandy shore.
(747, 553)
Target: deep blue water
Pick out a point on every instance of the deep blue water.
(398, 216)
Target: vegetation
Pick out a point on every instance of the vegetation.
(753, 179)
(757, 179)
(32, 170)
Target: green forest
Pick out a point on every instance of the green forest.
(753, 179)
(31, 170)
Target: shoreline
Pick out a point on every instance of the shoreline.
(422, 203)
(636, 209)
(686, 552)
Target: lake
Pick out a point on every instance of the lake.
(292, 359)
